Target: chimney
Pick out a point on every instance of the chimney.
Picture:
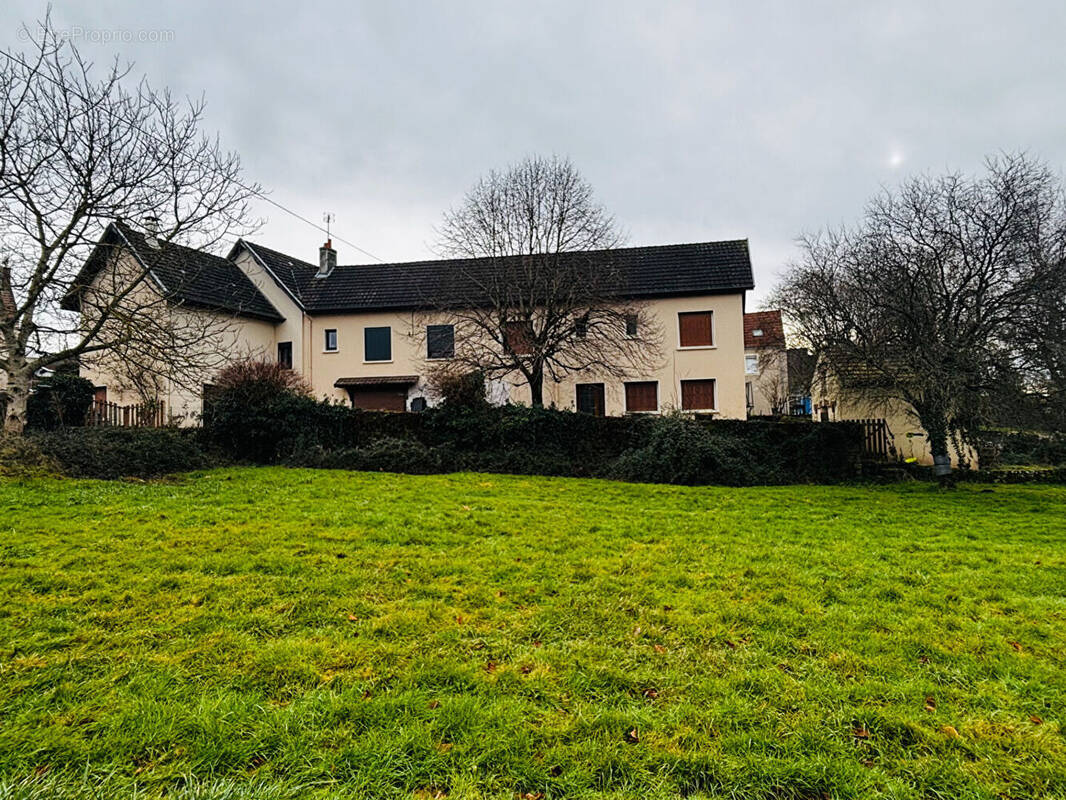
(151, 231)
(327, 259)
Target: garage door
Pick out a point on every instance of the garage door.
(379, 399)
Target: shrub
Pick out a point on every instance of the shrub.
(122, 452)
(456, 388)
(59, 401)
(383, 455)
(21, 457)
(255, 406)
(681, 451)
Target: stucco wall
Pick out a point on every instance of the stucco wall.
(723, 361)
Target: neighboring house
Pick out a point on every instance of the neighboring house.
(865, 399)
(765, 364)
(348, 329)
(801, 364)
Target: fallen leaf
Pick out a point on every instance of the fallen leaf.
(536, 643)
(860, 732)
(660, 649)
(525, 669)
(1017, 646)
(930, 704)
(459, 620)
(353, 618)
(533, 796)
(651, 694)
(1036, 720)
(434, 703)
(633, 737)
(490, 666)
(949, 731)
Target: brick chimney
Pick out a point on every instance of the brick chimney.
(327, 259)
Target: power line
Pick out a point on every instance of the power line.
(252, 190)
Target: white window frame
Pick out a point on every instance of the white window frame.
(625, 397)
(754, 356)
(714, 329)
(377, 361)
(336, 340)
(681, 399)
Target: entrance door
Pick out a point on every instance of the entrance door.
(590, 399)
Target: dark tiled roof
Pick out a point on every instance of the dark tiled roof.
(186, 275)
(769, 322)
(386, 380)
(644, 272)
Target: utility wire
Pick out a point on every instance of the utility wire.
(260, 194)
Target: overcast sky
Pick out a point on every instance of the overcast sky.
(693, 121)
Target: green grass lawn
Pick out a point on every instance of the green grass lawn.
(274, 633)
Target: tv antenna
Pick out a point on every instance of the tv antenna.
(328, 218)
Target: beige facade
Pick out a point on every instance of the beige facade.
(907, 437)
(328, 349)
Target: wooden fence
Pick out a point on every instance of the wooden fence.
(148, 415)
(878, 441)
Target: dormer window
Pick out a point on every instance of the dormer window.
(757, 332)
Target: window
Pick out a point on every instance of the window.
(285, 354)
(757, 332)
(377, 344)
(695, 329)
(749, 395)
(642, 396)
(518, 337)
(581, 327)
(331, 340)
(698, 395)
(751, 364)
(440, 341)
(590, 399)
(631, 326)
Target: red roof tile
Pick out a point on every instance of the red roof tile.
(769, 322)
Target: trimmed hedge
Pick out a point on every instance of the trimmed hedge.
(291, 428)
(122, 452)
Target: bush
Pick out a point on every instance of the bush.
(1021, 448)
(458, 389)
(59, 401)
(253, 407)
(21, 457)
(122, 452)
(684, 452)
(384, 455)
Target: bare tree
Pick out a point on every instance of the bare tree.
(772, 381)
(917, 303)
(537, 289)
(76, 152)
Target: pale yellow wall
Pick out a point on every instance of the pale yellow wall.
(771, 377)
(240, 337)
(292, 329)
(723, 361)
(908, 437)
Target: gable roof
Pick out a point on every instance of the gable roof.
(184, 274)
(769, 322)
(645, 272)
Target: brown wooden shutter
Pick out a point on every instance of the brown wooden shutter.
(697, 395)
(695, 328)
(642, 396)
(518, 337)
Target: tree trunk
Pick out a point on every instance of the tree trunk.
(18, 392)
(938, 446)
(536, 387)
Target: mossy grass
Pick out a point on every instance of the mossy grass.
(283, 633)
